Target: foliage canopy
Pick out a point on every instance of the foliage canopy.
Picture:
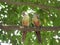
(10, 14)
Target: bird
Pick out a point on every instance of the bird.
(37, 23)
(25, 23)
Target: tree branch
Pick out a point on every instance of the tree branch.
(55, 28)
(29, 4)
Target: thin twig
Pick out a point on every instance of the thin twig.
(29, 4)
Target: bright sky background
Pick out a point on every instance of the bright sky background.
(5, 44)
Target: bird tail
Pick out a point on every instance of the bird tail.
(24, 35)
(38, 36)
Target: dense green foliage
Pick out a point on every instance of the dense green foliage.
(11, 15)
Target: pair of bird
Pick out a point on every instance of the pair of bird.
(35, 22)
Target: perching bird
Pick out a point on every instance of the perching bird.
(37, 23)
(25, 23)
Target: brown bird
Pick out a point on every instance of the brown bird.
(25, 23)
(37, 23)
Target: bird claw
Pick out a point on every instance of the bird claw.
(40, 27)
